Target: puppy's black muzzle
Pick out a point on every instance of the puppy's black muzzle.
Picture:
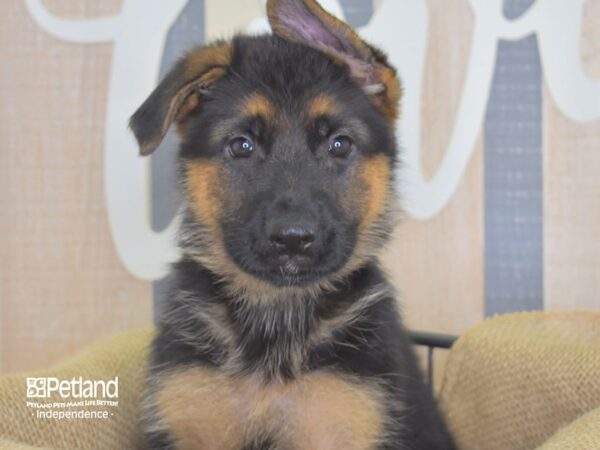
(290, 237)
(292, 245)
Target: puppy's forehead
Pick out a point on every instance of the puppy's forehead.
(286, 70)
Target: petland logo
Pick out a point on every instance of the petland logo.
(77, 398)
(45, 387)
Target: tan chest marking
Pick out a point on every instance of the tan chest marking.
(320, 411)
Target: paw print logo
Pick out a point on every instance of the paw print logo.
(36, 387)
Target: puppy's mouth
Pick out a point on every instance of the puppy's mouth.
(283, 269)
(292, 265)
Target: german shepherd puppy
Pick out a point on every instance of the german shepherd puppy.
(280, 331)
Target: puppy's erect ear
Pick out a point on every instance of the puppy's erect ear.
(306, 22)
(178, 94)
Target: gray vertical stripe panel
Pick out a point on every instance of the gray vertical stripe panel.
(186, 32)
(513, 178)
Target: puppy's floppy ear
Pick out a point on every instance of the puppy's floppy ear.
(178, 94)
(306, 22)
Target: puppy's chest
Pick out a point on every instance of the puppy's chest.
(206, 409)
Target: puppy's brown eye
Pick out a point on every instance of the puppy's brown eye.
(240, 147)
(341, 146)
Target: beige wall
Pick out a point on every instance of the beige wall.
(62, 283)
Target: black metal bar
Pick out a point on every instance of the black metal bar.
(432, 339)
(430, 366)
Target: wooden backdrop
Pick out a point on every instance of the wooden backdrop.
(62, 284)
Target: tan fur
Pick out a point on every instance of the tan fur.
(188, 106)
(374, 176)
(257, 105)
(200, 411)
(204, 58)
(208, 410)
(388, 100)
(322, 105)
(335, 414)
(372, 194)
(188, 98)
(204, 183)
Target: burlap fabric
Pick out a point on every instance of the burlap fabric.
(123, 356)
(513, 381)
(583, 433)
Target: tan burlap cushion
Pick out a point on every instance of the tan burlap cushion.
(512, 381)
(123, 356)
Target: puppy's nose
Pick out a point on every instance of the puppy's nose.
(292, 239)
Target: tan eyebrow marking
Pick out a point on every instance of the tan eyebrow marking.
(322, 105)
(259, 105)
